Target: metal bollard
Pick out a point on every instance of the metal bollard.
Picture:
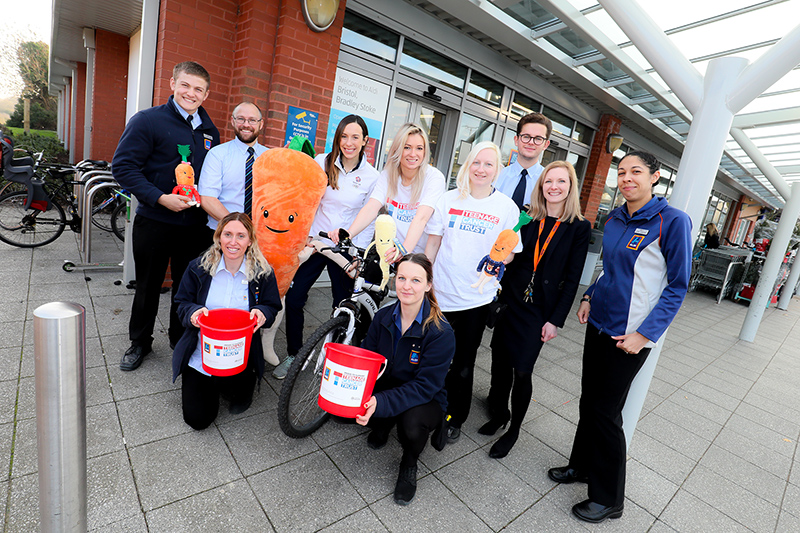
(60, 355)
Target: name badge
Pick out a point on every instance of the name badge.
(641, 231)
(207, 141)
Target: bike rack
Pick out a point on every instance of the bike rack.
(85, 179)
(92, 185)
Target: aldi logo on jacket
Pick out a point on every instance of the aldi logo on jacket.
(646, 268)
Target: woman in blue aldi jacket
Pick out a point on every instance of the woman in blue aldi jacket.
(646, 266)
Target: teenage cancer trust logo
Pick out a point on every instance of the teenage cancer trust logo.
(342, 385)
(223, 354)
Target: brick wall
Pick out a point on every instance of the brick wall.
(80, 110)
(255, 50)
(597, 167)
(110, 92)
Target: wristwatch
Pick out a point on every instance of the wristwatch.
(586, 298)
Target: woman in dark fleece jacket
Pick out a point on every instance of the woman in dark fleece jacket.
(418, 344)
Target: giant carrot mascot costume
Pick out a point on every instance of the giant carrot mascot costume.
(287, 188)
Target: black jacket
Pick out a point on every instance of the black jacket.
(191, 296)
(417, 382)
(147, 154)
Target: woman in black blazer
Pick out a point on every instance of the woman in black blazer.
(539, 287)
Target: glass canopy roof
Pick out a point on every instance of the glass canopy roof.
(702, 31)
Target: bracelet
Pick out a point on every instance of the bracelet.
(586, 299)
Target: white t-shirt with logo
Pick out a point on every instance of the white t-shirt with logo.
(400, 207)
(339, 207)
(468, 228)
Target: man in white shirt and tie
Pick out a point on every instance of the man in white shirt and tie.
(226, 181)
(518, 178)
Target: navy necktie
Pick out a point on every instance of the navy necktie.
(248, 180)
(189, 120)
(519, 192)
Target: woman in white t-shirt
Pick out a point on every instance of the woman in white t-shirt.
(465, 225)
(351, 180)
(408, 187)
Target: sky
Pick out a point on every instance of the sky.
(34, 18)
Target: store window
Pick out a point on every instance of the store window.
(485, 88)
(433, 66)
(522, 105)
(472, 131)
(367, 37)
(609, 200)
(582, 133)
(561, 122)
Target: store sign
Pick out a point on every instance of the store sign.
(356, 95)
(301, 122)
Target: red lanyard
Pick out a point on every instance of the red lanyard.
(536, 255)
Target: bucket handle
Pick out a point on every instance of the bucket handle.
(385, 365)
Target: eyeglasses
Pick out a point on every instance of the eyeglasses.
(527, 139)
(250, 121)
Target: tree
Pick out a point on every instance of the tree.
(41, 118)
(33, 67)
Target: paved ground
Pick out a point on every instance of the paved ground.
(715, 450)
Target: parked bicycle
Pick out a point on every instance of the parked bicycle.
(36, 216)
(298, 412)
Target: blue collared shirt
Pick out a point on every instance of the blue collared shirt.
(398, 322)
(226, 290)
(509, 178)
(196, 120)
(222, 176)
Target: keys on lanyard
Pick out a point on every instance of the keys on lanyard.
(527, 296)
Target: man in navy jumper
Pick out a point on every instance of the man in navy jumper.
(166, 229)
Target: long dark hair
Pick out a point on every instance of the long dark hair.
(435, 317)
(336, 149)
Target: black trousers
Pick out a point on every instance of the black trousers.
(297, 295)
(468, 327)
(200, 394)
(413, 428)
(156, 245)
(599, 448)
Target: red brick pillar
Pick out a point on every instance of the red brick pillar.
(80, 110)
(303, 71)
(733, 220)
(597, 167)
(110, 92)
(67, 112)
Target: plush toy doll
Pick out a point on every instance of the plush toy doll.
(184, 176)
(385, 240)
(287, 188)
(492, 265)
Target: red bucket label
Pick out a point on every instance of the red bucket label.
(223, 354)
(343, 385)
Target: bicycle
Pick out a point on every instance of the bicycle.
(36, 216)
(298, 412)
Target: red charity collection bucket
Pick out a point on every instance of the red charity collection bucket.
(225, 335)
(348, 379)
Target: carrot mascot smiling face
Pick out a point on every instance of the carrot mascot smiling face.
(287, 188)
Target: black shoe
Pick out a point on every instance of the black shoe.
(406, 486)
(504, 444)
(453, 433)
(133, 357)
(237, 408)
(377, 439)
(491, 427)
(589, 511)
(567, 475)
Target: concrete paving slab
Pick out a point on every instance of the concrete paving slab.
(25, 460)
(745, 474)
(12, 334)
(647, 488)
(171, 469)
(363, 520)
(111, 491)
(689, 514)
(660, 458)
(297, 501)
(8, 400)
(231, 507)
(678, 438)
(495, 494)
(140, 426)
(766, 458)
(554, 431)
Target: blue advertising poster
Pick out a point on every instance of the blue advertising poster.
(301, 122)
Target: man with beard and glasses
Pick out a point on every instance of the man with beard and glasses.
(226, 181)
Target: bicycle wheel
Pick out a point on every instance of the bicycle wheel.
(298, 412)
(118, 219)
(29, 228)
(12, 186)
(103, 205)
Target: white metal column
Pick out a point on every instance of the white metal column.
(145, 74)
(88, 42)
(772, 265)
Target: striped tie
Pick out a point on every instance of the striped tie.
(248, 181)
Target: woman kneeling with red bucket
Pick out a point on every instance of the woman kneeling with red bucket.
(418, 344)
(232, 275)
